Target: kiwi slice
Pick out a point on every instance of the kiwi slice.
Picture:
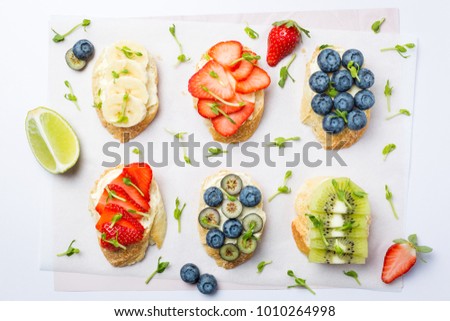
(209, 218)
(229, 252)
(314, 233)
(339, 196)
(231, 209)
(248, 246)
(331, 257)
(341, 245)
(254, 220)
(232, 184)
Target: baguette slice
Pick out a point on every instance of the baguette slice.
(251, 124)
(124, 134)
(214, 253)
(154, 233)
(344, 139)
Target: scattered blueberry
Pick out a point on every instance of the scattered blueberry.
(190, 273)
(207, 284)
(232, 228)
(356, 119)
(344, 102)
(215, 238)
(213, 196)
(342, 80)
(366, 78)
(352, 55)
(250, 196)
(329, 60)
(319, 81)
(83, 49)
(333, 124)
(364, 99)
(322, 104)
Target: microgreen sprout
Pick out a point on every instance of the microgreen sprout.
(261, 265)
(70, 250)
(401, 49)
(389, 199)
(161, 267)
(130, 54)
(377, 25)
(284, 189)
(318, 223)
(405, 112)
(71, 96)
(58, 37)
(251, 33)
(128, 182)
(389, 148)
(284, 72)
(388, 94)
(353, 275)
(177, 213)
(113, 241)
(299, 282)
(281, 141)
(214, 151)
(181, 57)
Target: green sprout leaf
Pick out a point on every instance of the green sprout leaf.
(324, 46)
(217, 110)
(389, 199)
(353, 275)
(70, 250)
(377, 25)
(284, 72)
(281, 141)
(251, 33)
(389, 148)
(128, 182)
(299, 282)
(130, 54)
(177, 213)
(60, 37)
(136, 151)
(113, 241)
(405, 112)
(115, 219)
(181, 57)
(341, 194)
(146, 215)
(401, 49)
(71, 96)
(261, 265)
(341, 114)
(318, 223)
(359, 194)
(331, 91)
(388, 94)
(123, 118)
(215, 151)
(284, 189)
(161, 267)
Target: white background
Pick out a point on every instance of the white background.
(23, 61)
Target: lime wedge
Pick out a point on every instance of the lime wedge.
(53, 142)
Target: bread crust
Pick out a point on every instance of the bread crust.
(214, 253)
(154, 234)
(248, 128)
(124, 134)
(344, 139)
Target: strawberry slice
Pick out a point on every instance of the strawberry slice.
(245, 67)
(257, 80)
(226, 52)
(141, 175)
(205, 110)
(401, 257)
(225, 127)
(127, 219)
(211, 77)
(123, 235)
(116, 195)
(130, 187)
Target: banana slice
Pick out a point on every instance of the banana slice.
(126, 84)
(133, 109)
(125, 67)
(128, 50)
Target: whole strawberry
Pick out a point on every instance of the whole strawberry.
(283, 38)
(401, 257)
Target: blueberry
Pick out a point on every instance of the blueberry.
(344, 102)
(352, 55)
(215, 238)
(83, 49)
(190, 273)
(232, 228)
(250, 196)
(342, 80)
(319, 82)
(366, 78)
(322, 104)
(364, 99)
(207, 284)
(333, 124)
(213, 196)
(329, 60)
(356, 119)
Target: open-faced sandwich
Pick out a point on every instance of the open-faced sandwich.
(228, 90)
(231, 218)
(336, 97)
(332, 222)
(124, 85)
(128, 210)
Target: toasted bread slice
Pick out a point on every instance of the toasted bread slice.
(155, 227)
(214, 253)
(248, 128)
(344, 139)
(124, 134)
